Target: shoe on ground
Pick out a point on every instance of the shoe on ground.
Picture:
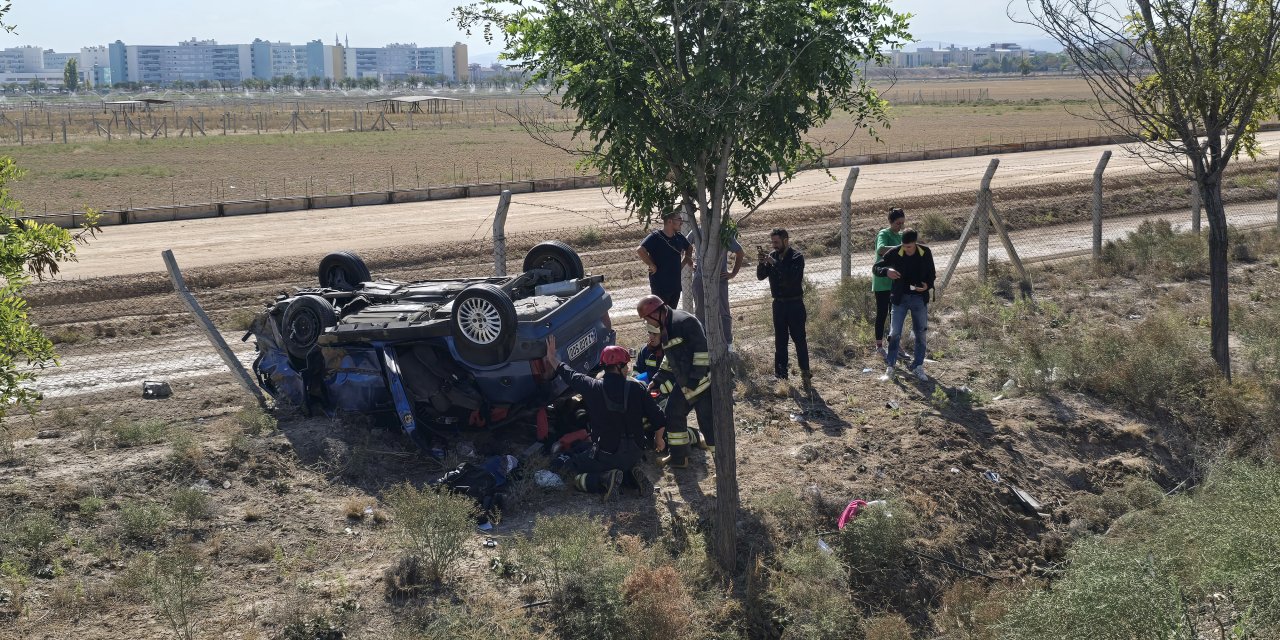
(612, 483)
(882, 352)
(888, 376)
(644, 486)
(672, 462)
(806, 378)
(920, 374)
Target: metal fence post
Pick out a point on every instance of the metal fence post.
(500, 234)
(846, 223)
(1097, 204)
(1195, 206)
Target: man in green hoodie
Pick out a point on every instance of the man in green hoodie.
(890, 236)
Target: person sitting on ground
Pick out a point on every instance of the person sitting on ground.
(617, 410)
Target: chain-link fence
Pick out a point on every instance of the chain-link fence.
(112, 338)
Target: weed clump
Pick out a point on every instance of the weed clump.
(431, 526)
(142, 523)
(136, 434)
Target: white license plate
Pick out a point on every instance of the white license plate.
(580, 347)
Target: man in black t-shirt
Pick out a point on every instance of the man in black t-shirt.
(666, 252)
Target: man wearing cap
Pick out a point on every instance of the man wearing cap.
(683, 377)
(666, 252)
(618, 410)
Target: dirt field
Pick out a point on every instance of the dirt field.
(124, 173)
(278, 547)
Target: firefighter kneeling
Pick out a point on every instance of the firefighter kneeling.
(683, 378)
(618, 411)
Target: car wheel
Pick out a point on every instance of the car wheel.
(557, 257)
(344, 271)
(304, 322)
(483, 324)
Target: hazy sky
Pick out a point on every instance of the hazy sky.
(66, 25)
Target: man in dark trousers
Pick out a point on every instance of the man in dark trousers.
(784, 267)
(617, 409)
(666, 252)
(683, 378)
(910, 267)
(890, 236)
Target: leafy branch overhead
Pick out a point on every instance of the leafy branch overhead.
(668, 92)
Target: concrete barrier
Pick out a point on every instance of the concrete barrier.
(280, 205)
(244, 207)
(446, 193)
(152, 214)
(410, 195)
(330, 202)
(369, 198)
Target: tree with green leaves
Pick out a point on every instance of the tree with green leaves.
(1192, 80)
(705, 105)
(71, 75)
(28, 250)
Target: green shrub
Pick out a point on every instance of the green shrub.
(840, 322)
(432, 526)
(570, 557)
(134, 434)
(1194, 565)
(1156, 250)
(32, 535)
(89, 507)
(589, 238)
(142, 522)
(811, 596)
(936, 227)
(192, 505)
(255, 421)
(874, 546)
(176, 583)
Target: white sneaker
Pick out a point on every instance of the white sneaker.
(888, 375)
(919, 371)
(880, 351)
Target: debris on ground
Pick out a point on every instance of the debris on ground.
(156, 390)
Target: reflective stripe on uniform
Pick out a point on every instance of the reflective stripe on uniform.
(667, 387)
(674, 342)
(666, 366)
(697, 391)
(701, 359)
(651, 363)
(580, 481)
(678, 438)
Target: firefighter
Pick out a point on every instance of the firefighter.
(618, 409)
(683, 378)
(650, 357)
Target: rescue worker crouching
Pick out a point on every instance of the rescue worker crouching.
(683, 378)
(618, 409)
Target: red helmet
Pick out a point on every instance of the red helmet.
(614, 355)
(648, 305)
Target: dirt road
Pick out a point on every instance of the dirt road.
(232, 241)
(181, 358)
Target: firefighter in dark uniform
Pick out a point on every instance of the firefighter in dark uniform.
(650, 357)
(683, 378)
(617, 410)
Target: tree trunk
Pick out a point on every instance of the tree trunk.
(1219, 304)
(725, 525)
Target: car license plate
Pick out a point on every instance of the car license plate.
(580, 347)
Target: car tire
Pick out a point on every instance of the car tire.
(305, 320)
(558, 257)
(483, 325)
(344, 271)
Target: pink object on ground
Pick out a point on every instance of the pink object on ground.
(850, 511)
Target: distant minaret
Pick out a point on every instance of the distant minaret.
(336, 41)
(346, 41)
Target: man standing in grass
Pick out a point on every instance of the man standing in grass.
(666, 252)
(910, 267)
(890, 236)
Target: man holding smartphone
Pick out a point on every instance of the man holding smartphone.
(910, 267)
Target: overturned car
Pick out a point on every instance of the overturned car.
(433, 355)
